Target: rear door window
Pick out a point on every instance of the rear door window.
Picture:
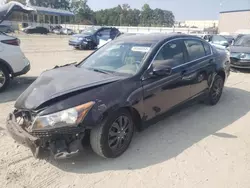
(207, 48)
(195, 49)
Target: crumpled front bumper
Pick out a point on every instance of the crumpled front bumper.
(21, 136)
(55, 141)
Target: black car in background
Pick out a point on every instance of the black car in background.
(90, 37)
(6, 29)
(119, 88)
(240, 52)
(36, 30)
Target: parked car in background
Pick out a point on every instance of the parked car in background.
(104, 42)
(36, 30)
(63, 31)
(229, 38)
(66, 31)
(225, 41)
(6, 29)
(57, 31)
(122, 86)
(52, 29)
(12, 60)
(240, 52)
(90, 38)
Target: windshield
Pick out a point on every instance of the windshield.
(243, 41)
(118, 57)
(89, 31)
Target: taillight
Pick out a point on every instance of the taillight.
(15, 42)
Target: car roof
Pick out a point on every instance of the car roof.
(153, 38)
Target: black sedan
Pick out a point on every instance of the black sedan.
(118, 89)
(240, 52)
(36, 30)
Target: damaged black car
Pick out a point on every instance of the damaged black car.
(118, 89)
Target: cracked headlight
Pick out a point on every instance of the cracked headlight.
(66, 118)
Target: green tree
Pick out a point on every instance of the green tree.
(146, 15)
(169, 18)
(82, 11)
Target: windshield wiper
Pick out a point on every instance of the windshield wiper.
(101, 71)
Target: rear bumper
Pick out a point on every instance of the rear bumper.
(24, 71)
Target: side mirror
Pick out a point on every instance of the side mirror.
(162, 70)
(99, 34)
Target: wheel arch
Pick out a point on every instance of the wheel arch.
(222, 74)
(137, 119)
(6, 65)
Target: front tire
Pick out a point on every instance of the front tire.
(216, 90)
(112, 138)
(4, 78)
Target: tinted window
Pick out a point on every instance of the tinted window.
(207, 48)
(114, 33)
(105, 32)
(243, 41)
(218, 39)
(195, 49)
(171, 54)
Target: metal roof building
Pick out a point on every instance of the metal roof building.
(51, 11)
(44, 15)
(236, 21)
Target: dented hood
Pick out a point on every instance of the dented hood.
(7, 9)
(61, 81)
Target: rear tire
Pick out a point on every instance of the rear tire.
(216, 90)
(4, 78)
(113, 136)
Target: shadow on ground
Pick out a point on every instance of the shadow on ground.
(168, 138)
(16, 87)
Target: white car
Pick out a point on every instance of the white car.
(12, 60)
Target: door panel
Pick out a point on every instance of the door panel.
(200, 66)
(164, 92)
(161, 94)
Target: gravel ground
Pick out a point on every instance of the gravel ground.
(200, 146)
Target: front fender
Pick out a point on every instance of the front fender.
(102, 110)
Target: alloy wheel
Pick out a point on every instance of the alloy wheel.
(217, 88)
(119, 133)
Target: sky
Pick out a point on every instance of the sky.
(182, 9)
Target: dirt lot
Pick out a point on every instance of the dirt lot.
(201, 146)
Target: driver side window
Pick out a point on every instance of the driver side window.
(171, 54)
(105, 33)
